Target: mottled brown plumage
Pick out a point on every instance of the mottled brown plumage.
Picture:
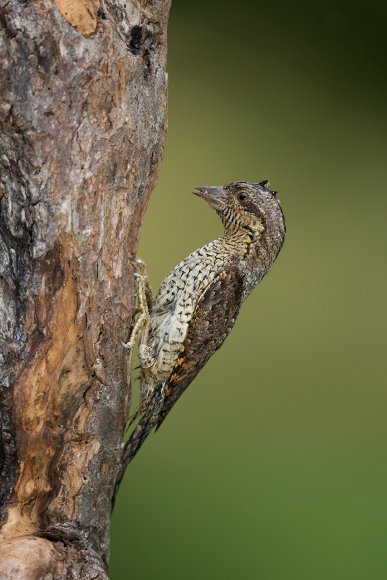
(197, 304)
(214, 317)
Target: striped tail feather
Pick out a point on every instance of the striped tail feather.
(148, 421)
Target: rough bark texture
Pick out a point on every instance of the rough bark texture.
(83, 118)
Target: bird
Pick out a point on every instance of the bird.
(198, 302)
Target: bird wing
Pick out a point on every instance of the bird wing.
(211, 322)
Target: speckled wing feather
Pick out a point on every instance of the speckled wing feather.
(211, 322)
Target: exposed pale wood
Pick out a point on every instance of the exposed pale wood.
(83, 119)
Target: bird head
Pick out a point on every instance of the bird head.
(249, 207)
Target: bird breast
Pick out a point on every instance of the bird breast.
(175, 304)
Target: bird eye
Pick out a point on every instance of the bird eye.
(242, 196)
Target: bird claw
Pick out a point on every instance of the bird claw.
(138, 264)
(141, 325)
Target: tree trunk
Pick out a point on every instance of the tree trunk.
(83, 119)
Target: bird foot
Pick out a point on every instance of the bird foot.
(141, 326)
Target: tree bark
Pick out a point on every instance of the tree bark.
(83, 119)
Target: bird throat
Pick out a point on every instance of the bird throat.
(241, 239)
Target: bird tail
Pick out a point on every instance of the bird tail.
(149, 420)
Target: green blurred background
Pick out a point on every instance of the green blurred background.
(274, 463)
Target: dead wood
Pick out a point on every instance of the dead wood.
(83, 119)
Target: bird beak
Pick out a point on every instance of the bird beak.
(214, 196)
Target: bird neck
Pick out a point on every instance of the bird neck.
(239, 238)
